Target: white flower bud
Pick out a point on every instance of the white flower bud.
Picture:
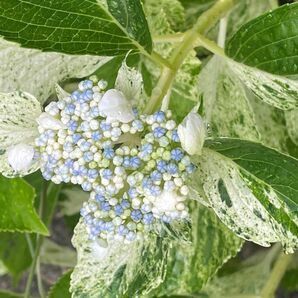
(192, 132)
(20, 157)
(115, 106)
(166, 202)
(46, 121)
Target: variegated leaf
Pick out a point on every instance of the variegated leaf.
(253, 190)
(118, 270)
(226, 106)
(277, 91)
(37, 72)
(174, 262)
(129, 81)
(292, 124)
(18, 113)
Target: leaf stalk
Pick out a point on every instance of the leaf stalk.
(189, 41)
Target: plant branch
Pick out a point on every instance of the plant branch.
(276, 275)
(172, 38)
(39, 240)
(189, 41)
(155, 57)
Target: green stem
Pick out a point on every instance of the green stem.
(39, 279)
(190, 39)
(276, 275)
(210, 45)
(39, 240)
(172, 38)
(155, 57)
(33, 266)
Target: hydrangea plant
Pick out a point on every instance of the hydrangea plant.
(168, 128)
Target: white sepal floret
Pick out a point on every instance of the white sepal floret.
(20, 157)
(192, 133)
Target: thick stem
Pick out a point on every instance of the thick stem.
(205, 21)
(276, 275)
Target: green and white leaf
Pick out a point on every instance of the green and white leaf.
(191, 264)
(277, 91)
(180, 260)
(118, 270)
(226, 106)
(37, 72)
(105, 28)
(270, 123)
(54, 254)
(130, 82)
(18, 113)
(247, 281)
(269, 42)
(292, 124)
(253, 190)
(17, 210)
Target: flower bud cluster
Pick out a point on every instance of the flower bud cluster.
(134, 168)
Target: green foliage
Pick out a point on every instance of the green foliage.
(16, 201)
(290, 281)
(242, 172)
(269, 42)
(61, 288)
(247, 281)
(192, 264)
(76, 27)
(183, 260)
(15, 253)
(240, 190)
(5, 294)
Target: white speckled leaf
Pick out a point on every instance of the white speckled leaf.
(256, 204)
(271, 124)
(37, 72)
(225, 104)
(18, 111)
(174, 263)
(130, 270)
(292, 124)
(191, 264)
(249, 279)
(129, 81)
(275, 90)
